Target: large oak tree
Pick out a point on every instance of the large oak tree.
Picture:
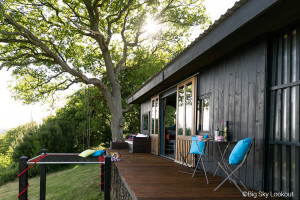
(53, 44)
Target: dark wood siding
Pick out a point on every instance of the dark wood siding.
(236, 85)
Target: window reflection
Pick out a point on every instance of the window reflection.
(284, 114)
(156, 116)
(185, 108)
(293, 113)
(189, 110)
(294, 57)
(285, 59)
(152, 117)
(180, 110)
(145, 122)
(203, 114)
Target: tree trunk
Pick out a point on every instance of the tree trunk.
(117, 120)
(114, 103)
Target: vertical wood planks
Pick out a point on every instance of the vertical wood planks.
(237, 87)
(259, 115)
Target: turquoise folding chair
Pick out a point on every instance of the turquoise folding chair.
(237, 159)
(197, 148)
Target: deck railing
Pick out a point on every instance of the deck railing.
(23, 172)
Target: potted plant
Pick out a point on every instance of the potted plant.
(219, 133)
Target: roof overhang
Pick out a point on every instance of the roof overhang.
(246, 21)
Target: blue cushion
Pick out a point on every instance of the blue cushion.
(239, 151)
(196, 143)
(98, 153)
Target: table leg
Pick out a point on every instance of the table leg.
(222, 155)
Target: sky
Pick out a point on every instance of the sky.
(13, 113)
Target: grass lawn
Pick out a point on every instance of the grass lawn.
(79, 182)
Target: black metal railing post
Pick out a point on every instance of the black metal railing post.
(43, 178)
(107, 178)
(23, 179)
(102, 177)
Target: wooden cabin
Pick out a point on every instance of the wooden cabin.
(244, 69)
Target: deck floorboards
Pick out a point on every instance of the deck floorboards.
(153, 177)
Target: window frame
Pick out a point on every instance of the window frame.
(143, 121)
(156, 120)
(198, 111)
(184, 84)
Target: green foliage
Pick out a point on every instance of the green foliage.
(5, 160)
(145, 65)
(51, 45)
(48, 135)
(8, 143)
(69, 30)
(8, 173)
(64, 133)
(170, 116)
(74, 118)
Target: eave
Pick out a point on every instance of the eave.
(246, 21)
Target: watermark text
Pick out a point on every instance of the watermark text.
(261, 194)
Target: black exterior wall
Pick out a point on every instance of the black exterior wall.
(236, 86)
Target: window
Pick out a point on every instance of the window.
(203, 106)
(145, 119)
(154, 115)
(185, 108)
(180, 111)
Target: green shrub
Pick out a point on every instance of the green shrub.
(8, 173)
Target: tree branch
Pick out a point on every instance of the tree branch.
(14, 41)
(27, 55)
(76, 13)
(125, 47)
(58, 59)
(85, 29)
(127, 108)
(118, 17)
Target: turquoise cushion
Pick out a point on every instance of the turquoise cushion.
(196, 143)
(98, 153)
(239, 151)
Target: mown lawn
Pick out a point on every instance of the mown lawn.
(79, 182)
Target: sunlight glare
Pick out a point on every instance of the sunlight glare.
(151, 28)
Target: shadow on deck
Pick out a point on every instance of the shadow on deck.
(146, 176)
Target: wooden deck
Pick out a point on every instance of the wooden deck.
(153, 177)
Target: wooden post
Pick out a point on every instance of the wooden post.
(107, 178)
(102, 177)
(23, 179)
(43, 178)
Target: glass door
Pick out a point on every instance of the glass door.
(185, 126)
